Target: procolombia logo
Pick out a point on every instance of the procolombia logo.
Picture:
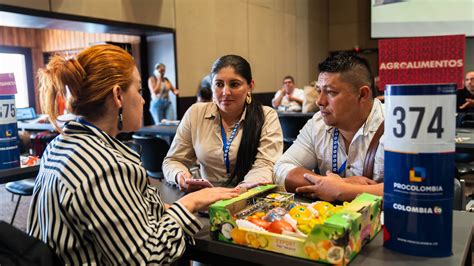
(415, 188)
(415, 209)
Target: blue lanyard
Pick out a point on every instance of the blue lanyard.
(226, 145)
(335, 145)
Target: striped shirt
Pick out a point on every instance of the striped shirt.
(92, 204)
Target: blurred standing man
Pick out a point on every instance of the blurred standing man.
(288, 98)
(336, 140)
(465, 97)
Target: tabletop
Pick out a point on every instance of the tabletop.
(18, 173)
(35, 126)
(160, 129)
(212, 251)
(465, 140)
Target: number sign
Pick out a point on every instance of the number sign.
(418, 118)
(7, 110)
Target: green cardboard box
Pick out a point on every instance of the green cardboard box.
(336, 241)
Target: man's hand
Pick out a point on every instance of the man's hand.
(361, 180)
(282, 91)
(468, 104)
(332, 187)
(328, 188)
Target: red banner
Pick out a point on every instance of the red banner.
(422, 60)
(7, 84)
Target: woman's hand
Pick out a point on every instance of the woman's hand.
(176, 91)
(201, 199)
(181, 181)
(244, 186)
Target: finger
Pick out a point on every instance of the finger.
(224, 196)
(330, 173)
(182, 178)
(224, 190)
(306, 189)
(371, 182)
(193, 188)
(182, 185)
(311, 178)
(230, 195)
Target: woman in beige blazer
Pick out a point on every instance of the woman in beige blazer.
(234, 138)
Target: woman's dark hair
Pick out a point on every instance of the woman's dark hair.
(253, 122)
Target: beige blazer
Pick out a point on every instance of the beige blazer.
(198, 138)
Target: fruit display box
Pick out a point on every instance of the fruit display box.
(333, 238)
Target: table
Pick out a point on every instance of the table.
(212, 251)
(467, 145)
(167, 130)
(18, 173)
(35, 126)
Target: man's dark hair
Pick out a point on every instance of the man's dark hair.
(289, 77)
(354, 69)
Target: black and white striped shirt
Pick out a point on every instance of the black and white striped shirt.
(92, 204)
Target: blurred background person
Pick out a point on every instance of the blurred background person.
(288, 98)
(160, 87)
(204, 93)
(465, 96)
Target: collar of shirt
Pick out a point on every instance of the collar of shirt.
(74, 127)
(376, 116)
(213, 113)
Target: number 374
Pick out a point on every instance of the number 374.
(435, 125)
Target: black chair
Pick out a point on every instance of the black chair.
(18, 248)
(465, 120)
(291, 124)
(20, 188)
(467, 123)
(459, 199)
(153, 152)
(134, 146)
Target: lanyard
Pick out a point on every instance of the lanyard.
(226, 145)
(335, 145)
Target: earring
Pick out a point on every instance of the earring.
(248, 99)
(120, 119)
